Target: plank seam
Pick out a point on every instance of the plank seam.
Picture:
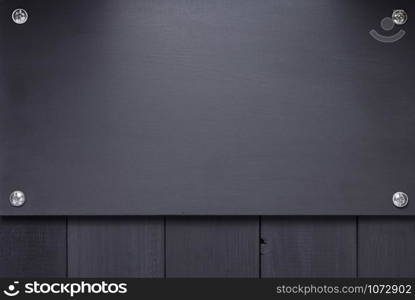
(164, 247)
(67, 247)
(357, 246)
(260, 247)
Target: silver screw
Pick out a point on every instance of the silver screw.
(17, 198)
(20, 16)
(400, 199)
(399, 17)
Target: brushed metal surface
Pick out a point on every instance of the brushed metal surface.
(173, 107)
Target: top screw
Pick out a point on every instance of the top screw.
(399, 17)
(20, 16)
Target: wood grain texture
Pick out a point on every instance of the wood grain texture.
(116, 247)
(386, 246)
(308, 247)
(32, 247)
(212, 247)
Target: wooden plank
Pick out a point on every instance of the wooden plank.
(212, 247)
(308, 247)
(32, 247)
(386, 246)
(116, 247)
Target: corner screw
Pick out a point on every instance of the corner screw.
(399, 17)
(400, 199)
(17, 198)
(20, 16)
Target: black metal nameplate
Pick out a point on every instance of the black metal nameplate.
(242, 107)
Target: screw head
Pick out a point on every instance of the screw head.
(20, 16)
(17, 198)
(399, 17)
(400, 199)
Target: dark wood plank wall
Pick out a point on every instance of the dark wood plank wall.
(32, 247)
(115, 247)
(309, 247)
(212, 247)
(207, 247)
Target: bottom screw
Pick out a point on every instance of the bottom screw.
(400, 199)
(17, 198)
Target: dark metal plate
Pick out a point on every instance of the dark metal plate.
(162, 107)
